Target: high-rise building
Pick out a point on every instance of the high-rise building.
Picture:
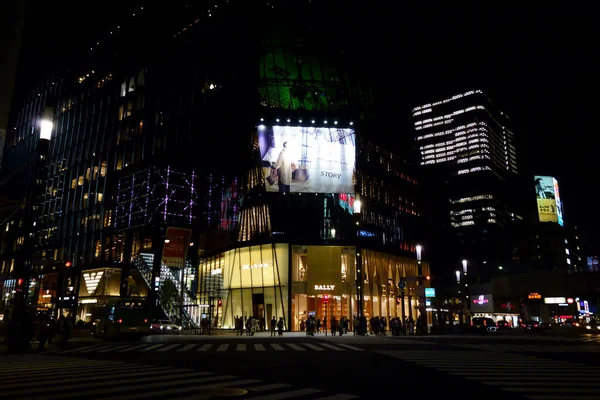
(468, 155)
(555, 242)
(248, 141)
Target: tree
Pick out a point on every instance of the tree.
(169, 296)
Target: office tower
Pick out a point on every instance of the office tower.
(234, 157)
(468, 155)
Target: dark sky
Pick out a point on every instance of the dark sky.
(535, 63)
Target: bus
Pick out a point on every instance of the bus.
(121, 317)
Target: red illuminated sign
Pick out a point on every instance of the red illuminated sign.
(507, 306)
(570, 300)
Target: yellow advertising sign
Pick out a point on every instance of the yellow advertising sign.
(546, 189)
(547, 210)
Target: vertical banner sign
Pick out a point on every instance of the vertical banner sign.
(548, 200)
(177, 242)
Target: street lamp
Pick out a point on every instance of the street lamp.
(421, 279)
(464, 265)
(359, 274)
(333, 233)
(457, 272)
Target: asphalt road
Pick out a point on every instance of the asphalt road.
(298, 367)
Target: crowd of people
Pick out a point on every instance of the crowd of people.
(21, 330)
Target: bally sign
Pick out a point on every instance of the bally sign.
(324, 287)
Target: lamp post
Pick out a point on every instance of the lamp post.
(422, 307)
(460, 297)
(359, 274)
(466, 290)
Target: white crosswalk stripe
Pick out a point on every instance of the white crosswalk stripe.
(213, 347)
(42, 375)
(530, 376)
(584, 338)
(535, 348)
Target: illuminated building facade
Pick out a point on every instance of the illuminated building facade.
(158, 135)
(468, 152)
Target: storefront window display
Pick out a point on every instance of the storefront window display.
(254, 281)
(324, 283)
(244, 282)
(48, 295)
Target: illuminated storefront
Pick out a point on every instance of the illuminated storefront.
(321, 281)
(48, 294)
(97, 285)
(244, 282)
(498, 309)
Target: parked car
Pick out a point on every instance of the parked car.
(483, 325)
(164, 326)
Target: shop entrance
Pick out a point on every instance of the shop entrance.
(258, 308)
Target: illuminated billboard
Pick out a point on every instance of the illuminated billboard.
(307, 159)
(548, 200)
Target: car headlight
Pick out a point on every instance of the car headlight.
(179, 328)
(588, 327)
(168, 327)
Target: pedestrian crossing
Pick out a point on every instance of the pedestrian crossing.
(534, 348)
(584, 338)
(54, 377)
(210, 347)
(529, 376)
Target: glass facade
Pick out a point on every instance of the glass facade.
(321, 281)
(245, 282)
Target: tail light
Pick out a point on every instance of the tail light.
(120, 321)
(145, 320)
(535, 325)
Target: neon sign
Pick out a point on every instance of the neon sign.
(480, 300)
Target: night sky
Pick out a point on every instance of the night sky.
(534, 63)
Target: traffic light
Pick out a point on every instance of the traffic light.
(20, 282)
(68, 264)
(428, 277)
(220, 303)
